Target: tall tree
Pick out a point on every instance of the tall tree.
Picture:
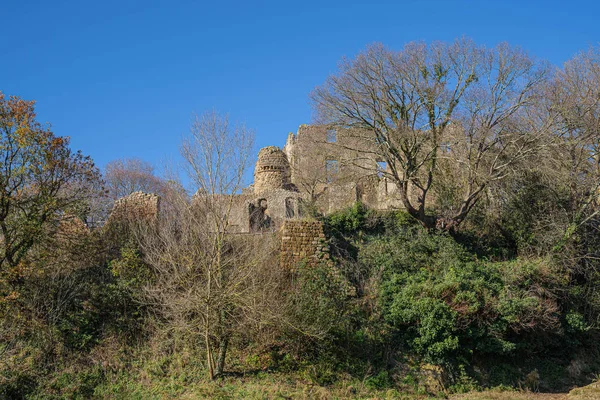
(40, 179)
(574, 97)
(203, 273)
(430, 108)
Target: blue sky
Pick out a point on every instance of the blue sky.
(122, 78)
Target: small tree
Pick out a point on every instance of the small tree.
(428, 108)
(205, 276)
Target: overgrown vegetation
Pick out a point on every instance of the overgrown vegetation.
(509, 298)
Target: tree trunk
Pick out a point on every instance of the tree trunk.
(209, 358)
(223, 344)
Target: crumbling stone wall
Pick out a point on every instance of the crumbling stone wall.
(340, 196)
(353, 152)
(138, 206)
(303, 241)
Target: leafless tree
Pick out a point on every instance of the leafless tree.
(128, 175)
(432, 107)
(574, 95)
(205, 275)
(573, 164)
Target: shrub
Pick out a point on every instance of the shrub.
(448, 306)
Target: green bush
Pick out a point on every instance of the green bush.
(448, 307)
(16, 385)
(316, 304)
(381, 380)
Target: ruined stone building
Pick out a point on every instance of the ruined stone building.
(327, 168)
(334, 168)
(272, 198)
(136, 206)
(318, 167)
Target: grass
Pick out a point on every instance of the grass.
(261, 386)
(589, 392)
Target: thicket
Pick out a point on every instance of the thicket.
(491, 278)
(452, 301)
(402, 308)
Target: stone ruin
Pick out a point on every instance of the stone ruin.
(328, 168)
(303, 241)
(272, 171)
(336, 167)
(138, 206)
(317, 165)
(271, 200)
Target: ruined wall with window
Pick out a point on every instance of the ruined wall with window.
(335, 167)
(319, 166)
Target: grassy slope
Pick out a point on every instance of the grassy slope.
(282, 386)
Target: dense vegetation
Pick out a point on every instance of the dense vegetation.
(498, 289)
(404, 309)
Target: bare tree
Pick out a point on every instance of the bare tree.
(430, 107)
(204, 274)
(574, 96)
(128, 175)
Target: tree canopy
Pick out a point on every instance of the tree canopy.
(41, 179)
(437, 107)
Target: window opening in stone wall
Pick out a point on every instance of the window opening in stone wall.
(381, 168)
(290, 204)
(331, 136)
(331, 170)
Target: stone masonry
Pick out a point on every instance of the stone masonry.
(136, 206)
(319, 167)
(272, 170)
(303, 241)
(335, 167)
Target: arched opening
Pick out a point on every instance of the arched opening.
(258, 218)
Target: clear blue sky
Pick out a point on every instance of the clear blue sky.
(122, 78)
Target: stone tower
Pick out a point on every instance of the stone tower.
(272, 170)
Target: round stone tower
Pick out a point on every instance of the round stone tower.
(272, 170)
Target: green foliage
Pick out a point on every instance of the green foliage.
(396, 295)
(321, 373)
(531, 220)
(449, 306)
(129, 269)
(532, 200)
(358, 220)
(15, 385)
(317, 303)
(80, 328)
(352, 219)
(576, 322)
(73, 385)
(463, 381)
(381, 380)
